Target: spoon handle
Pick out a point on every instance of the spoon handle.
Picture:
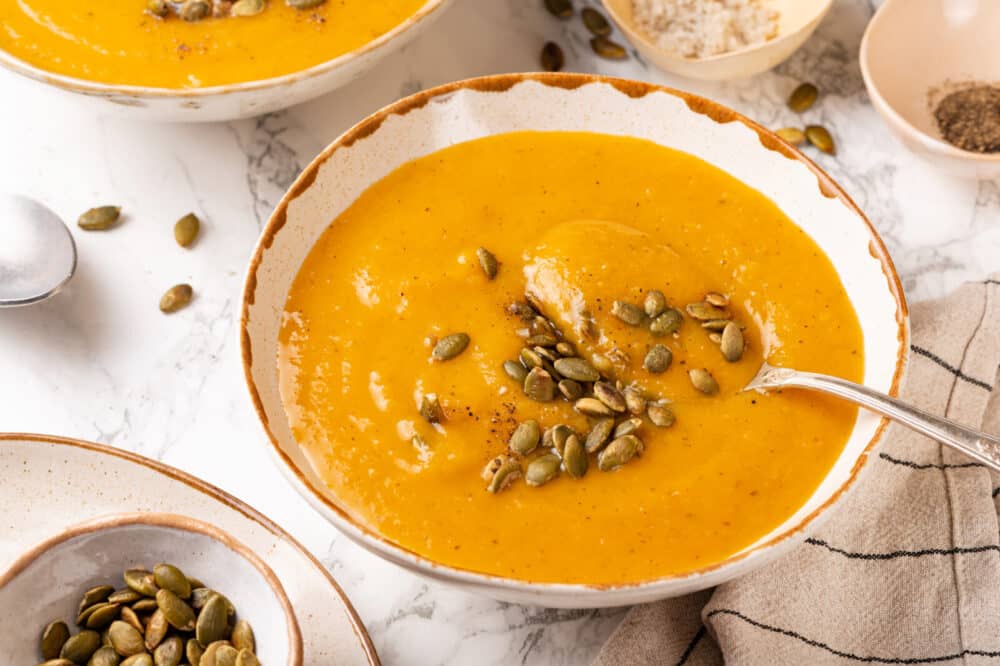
(978, 445)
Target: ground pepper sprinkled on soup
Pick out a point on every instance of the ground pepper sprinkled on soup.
(522, 356)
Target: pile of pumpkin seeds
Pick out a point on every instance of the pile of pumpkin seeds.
(801, 100)
(159, 618)
(552, 58)
(197, 10)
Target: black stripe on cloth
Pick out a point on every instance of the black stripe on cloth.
(689, 650)
(950, 368)
(996, 491)
(991, 281)
(904, 553)
(914, 465)
(847, 655)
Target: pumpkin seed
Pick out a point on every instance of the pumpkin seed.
(177, 613)
(430, 408)
(142, 659)
(124, 596)
(169, 577)
(715, 324)
(194, 651)
(530, 358)
(81, 619)
(627, 313)
(577, 369)
(450, 346)
(186, 228)
(803, 97)
(106, 638)
(556, 436)
(666, 323)
(610, 396)
(543, 469)
(570, 389)
(213, 621)
(209, 657)
(552, 57)
(226, 656)
(603, 364)
(706, 311)
(792, 135)
(505, 470)
(658, 359)
(128, 615)
(105, 656)
(169, 653)
(515, 371)
(660, 415)
(195, 10)
(732, 343)
(606, 48)
(525, 438)
(635, 401)
(100, 218)
(655, 303)
(717, 299)
(542, 340)
(144, 606)
(304, 4)
(703, 380)
(93, 596)
(565, 349)
(599, 434)
(560, 8)
(627, 427)
(595, 22)
(81, 647)
(176, 298)
(57, 662)
(522, 310)
(54, 636)
(575, 458)
(242, 637)
(619, 452)
(820, 137)
(126, 640)
(246, 658)
(247, 7)
(539, 385)
(158, 8)
(488, 262)
(592, 407)
(102, 615)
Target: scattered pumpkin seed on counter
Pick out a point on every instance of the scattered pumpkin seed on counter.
(560, 8)
(792, 135)
(552, 57)
(186, 230)
(595, 22)
(820, 137)
(803, 97)
(176, 298)
(160, 618)
(608, 49)
(100, 218)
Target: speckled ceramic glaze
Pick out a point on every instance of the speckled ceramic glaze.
(238, 100)
(796, 23)
(916, 51)
(63, 532)
(483, 107)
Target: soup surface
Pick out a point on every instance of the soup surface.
(577, 221)
(115, 41)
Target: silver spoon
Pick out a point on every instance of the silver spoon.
(984, 448)
(37, 252)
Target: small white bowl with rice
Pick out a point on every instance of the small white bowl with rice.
(717, 39)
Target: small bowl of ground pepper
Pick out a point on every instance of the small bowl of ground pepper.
(932, 70)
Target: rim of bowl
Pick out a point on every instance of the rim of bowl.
(932, 142)
(218, 495)
(177, 522)
(373, 541)
(632, 31)
(78, 85)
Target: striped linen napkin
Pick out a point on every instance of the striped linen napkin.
(906, 570)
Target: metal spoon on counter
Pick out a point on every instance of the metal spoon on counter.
(984, 448)
(37, 252)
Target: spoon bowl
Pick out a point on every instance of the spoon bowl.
(37, 252)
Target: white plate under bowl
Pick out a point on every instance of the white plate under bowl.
(468, 110)
(52, 483)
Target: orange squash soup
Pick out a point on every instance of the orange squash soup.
(597, 435)
(121, 42)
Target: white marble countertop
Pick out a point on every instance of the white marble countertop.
(100, 362)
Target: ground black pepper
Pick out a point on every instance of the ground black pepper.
(970, 119)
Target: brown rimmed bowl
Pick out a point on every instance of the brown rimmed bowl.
(468, 110)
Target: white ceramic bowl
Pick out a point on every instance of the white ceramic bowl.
(47, 582)
(796, 23)
(913, 52)
(468, 110)
(237, 100)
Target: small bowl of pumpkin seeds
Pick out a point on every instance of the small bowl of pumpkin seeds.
(145, 589)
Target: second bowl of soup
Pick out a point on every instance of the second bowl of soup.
(500, 338)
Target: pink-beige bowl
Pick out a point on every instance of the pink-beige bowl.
(235, 100)
(469, 110)
(47, 582)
